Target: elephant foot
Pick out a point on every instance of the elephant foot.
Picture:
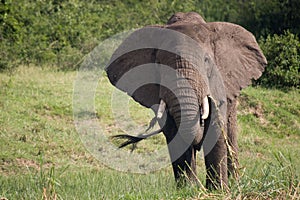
(216, 165)
(184, 168)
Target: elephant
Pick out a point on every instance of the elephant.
(197, 71)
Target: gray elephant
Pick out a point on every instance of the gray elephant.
(194, 72)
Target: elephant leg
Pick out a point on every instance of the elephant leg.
(233, 163)
(215, 161)
(184, 166)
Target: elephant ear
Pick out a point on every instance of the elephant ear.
(133, 65)
(237, 56)
(218, 105)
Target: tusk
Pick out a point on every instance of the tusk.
(161, 109)
(205, 108)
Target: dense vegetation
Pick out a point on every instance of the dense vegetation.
(61, 33)
(283, 53)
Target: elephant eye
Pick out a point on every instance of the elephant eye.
(207, 64)
(206, 59)
(175, 19)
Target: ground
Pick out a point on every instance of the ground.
(42, 156)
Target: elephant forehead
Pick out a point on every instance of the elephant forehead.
(189, 17)
(199, 33)
(169, 38)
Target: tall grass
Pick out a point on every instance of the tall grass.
(274, 180)
(42, 156)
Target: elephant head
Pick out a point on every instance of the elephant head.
(186, 71)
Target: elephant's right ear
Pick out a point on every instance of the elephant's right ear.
(237, 56)
(132, 68)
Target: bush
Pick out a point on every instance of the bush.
(263, 17)
(283, 55)
(60, 33)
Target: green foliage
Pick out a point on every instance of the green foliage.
(61, 33)
(263, 17)
(283, 55)
(219, 10)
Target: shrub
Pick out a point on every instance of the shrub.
(283, 55)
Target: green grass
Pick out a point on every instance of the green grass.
(42, 156)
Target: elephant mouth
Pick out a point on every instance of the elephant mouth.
(204, 108)
(162, 109)
(190, 129)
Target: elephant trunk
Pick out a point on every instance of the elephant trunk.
(183, 95)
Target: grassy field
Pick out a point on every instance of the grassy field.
(42, 156)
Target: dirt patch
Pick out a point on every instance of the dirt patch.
(258, 112)
(27, 163)
(12, 166)
(250, 106)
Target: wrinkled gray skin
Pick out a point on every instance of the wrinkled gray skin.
(233, 58)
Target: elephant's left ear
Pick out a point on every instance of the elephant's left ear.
(132, 66)
(237, 56)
